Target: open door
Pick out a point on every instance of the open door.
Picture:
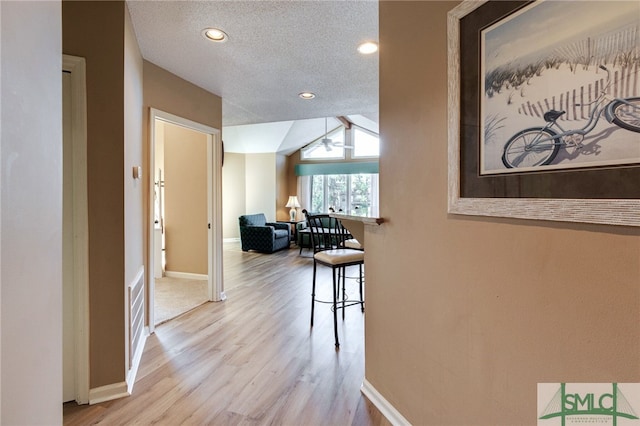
(215, 288)
(75, 238)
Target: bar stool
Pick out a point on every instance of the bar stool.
(327, 237)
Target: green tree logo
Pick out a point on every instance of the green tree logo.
(564, 404)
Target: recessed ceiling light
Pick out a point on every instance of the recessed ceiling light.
(368, 47)
(307, 95)
(215, 34)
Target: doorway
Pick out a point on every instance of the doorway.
(203, 230)
(180, 189)
(75, 240)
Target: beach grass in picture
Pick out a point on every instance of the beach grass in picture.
(560, 87)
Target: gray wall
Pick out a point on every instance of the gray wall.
(31, 214)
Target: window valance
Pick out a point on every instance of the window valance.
(336, 168)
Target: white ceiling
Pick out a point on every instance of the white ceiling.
(276, 49)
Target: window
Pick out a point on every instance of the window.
(317, 150)
(354, 194)
(365, 144)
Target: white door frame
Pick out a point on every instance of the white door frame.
(76, 66)
(214, 206)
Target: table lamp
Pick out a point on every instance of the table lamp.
(293, 204)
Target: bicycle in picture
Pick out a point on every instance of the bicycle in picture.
(538, 146)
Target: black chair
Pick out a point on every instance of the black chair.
(303, 234)
(327, 238)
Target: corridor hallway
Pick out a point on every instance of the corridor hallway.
(251, 359)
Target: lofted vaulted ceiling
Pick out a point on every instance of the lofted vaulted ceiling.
(275, 50)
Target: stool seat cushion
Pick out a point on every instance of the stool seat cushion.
(339, 256)
(352, 243)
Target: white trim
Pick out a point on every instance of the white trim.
(387, 410)
(185, 275)
(216, 287)
(231, 240)
(151, 252)
(77, 67)
(214, 198)
(108, 393)
(210, 190)
(1, 97)
(131, 375)
(182, 122)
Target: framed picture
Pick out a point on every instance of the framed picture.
(544, 110)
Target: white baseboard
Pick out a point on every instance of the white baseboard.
(131, 376)
(186, 275)
(108, 393)
(231, 240)
(387, 410)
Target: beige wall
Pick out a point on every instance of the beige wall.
(133, 156)
(291, 180)
(261, 184)
(96, 31)
(159, 150)
(233, 193)
(31, 225)
(282, 188)
(169, 93)
(253, 183)
(466, 315)
(118, 220)
(185, 202)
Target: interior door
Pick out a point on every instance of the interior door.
(75, 233)
(68, 306)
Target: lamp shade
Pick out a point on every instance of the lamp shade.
(293, 202)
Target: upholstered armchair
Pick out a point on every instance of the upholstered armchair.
(258, 234)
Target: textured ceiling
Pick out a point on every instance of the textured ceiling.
(276, 49)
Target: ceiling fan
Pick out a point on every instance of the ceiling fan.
(328, 143)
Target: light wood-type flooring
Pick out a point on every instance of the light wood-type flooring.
(251, 360)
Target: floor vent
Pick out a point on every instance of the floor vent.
(136, 315)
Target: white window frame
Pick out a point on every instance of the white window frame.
(353, 142)
(317, 144)
(374, 193)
